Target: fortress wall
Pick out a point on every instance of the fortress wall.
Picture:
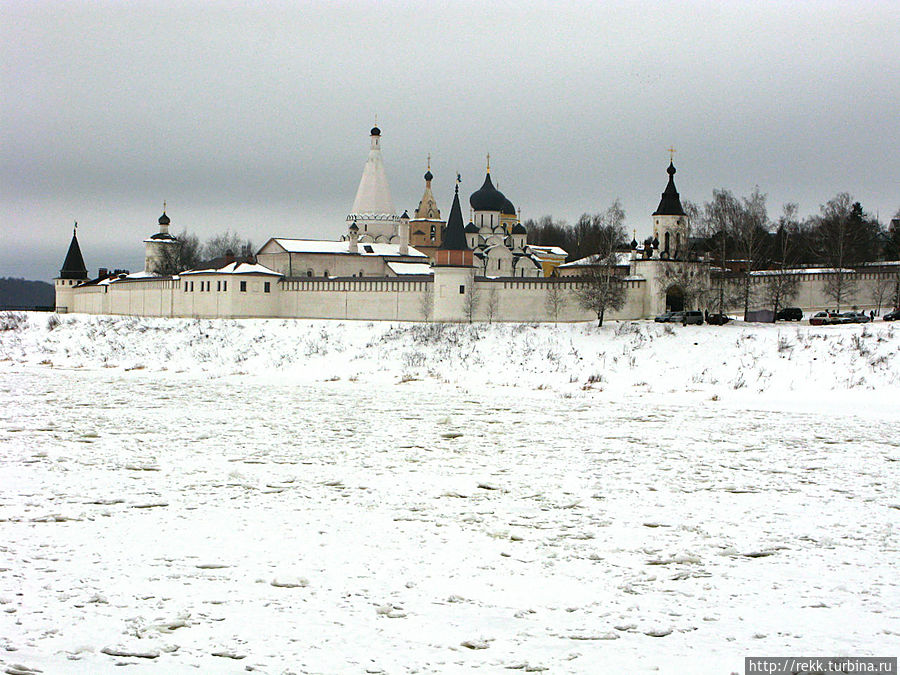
(384, 298)
(401, 299)
(525, 299)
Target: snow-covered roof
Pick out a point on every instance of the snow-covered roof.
(621, 259)
(235, 268)
(552, 250)
(343, 247)
(402, 268)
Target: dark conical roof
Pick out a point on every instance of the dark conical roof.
(455, 233)
(487, 197)
(670, 204)
(73, 267)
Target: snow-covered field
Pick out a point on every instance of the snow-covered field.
(322, 497)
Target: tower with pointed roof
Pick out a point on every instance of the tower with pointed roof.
(671, 225)
(373, 209)
(72, 273)
(454, 273)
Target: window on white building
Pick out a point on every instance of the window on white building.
(267, 287)
(243, 287)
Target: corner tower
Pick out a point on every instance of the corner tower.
(72, 273)
(158, 247)
(373, 209)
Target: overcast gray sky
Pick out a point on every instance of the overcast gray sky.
(255, 117)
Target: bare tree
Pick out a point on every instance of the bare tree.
(750, 232)
(226, 243)
(555, 299)
(492, 304)
(177, 257)
(835, 243)
(719, 221)
(471, 300)
(601, 290)
(426, 303)
(883, 290)
(781, 284)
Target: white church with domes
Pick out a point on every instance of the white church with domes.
(393, 267)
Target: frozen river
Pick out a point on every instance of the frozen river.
(232, 524)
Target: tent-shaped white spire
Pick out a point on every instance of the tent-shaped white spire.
(373, 198)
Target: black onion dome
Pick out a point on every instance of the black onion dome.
(487, 198)
(508, 208)
(73, 267)
(472, 227)
(454, 233)
(634, 244)
(375, 131)
(164, 219)
(518, 228)
(670, 204)
(428, 175)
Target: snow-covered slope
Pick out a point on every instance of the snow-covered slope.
(786, 360)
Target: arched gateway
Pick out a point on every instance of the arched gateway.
(674, 299)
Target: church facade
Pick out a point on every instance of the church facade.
(393, 267)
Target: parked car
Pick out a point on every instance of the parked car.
(717, 319)
(892, 316)
(668, 317)
(789, 314)
(821, 319)
(694, 318)
(856, 317)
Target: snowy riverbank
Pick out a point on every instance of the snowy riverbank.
(316, 497)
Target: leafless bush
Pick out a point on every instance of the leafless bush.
(784, 344)
(413, 359)
(53, 321)
(627, 328)
(12, 321)
(858, 343)
(596, 377)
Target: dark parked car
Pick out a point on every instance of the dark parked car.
(892, 316)
(717, 319)
(681, 317)
(789, 314)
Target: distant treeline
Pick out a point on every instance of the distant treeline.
(23, 294)
(729, 227)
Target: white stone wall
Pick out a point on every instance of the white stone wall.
(396, 298)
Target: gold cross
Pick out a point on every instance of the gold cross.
(164, 206)
(671, 154)
(429, 161)
(489, 162)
